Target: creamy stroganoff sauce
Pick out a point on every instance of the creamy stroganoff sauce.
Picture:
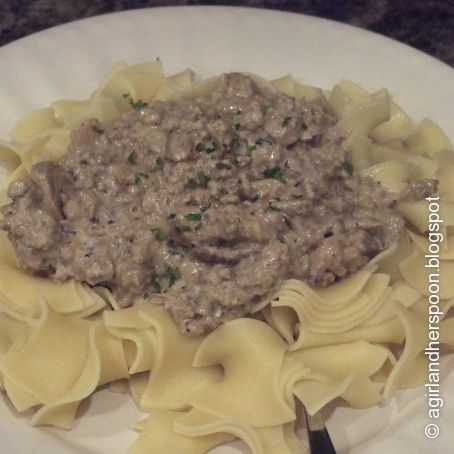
(210, 203)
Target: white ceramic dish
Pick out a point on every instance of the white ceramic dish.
(69, 60)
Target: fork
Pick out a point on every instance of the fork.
(319, 439)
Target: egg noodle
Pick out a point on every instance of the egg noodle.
(360, 339)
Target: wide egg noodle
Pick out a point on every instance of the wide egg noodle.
(416, 273)
(13, 334)
(399, 126)
(260, 440)
(36, 368)
(364, 118)
(158, 436)
(341, 370)
(172, 376)
(428, 139)
(137, 337)
(9, 159)
(251, 354)
(416, 335)
(34, 124)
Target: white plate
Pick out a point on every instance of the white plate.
(69, 60)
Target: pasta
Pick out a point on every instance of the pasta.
(245, 378)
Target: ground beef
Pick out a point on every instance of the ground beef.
(209, 202)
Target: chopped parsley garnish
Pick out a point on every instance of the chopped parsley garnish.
(250, 149)
(159, 165)
(348, 167)
(264, 107)
(271, 207)
(156, 284)
(192, 184)
(159, 234)
(205, 207)
(137, 179)
(139, 104)
(275, 173)
(234, 159)
(194, 216)
(202, 179)
(287, 222)
(97, 129)
(214, 147)
(132, 158)
(286, 121)
(173, 274)
(237, 126)
(183, 228)
(200, 147)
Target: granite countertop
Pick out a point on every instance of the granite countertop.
(427, 25)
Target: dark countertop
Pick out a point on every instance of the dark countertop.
(427, 25)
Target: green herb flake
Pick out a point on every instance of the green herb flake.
(287, 222)
(97, 129)
(159, 234)
(158, 165)
(139, 104)
(192, 184)
(173, 274)
(264, 107)
(286, 121)
(200, 147)
(193, 216)
(250, 149)
(214, 147)
(348, 167)
(183, 228)
(271, 207)
(202, 179)
(234, 159)
(275, 173)
(137, 179)
(156, 284)
(237, 126)
(132, 157)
